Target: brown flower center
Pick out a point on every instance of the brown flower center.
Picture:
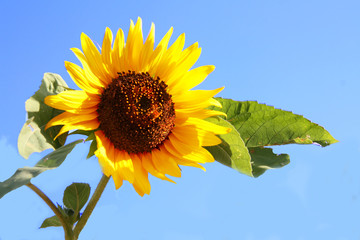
(135, 112)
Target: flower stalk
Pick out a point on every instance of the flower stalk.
(91, 205)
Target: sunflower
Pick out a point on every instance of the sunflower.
(138, 102)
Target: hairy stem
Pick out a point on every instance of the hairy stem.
(91, 205)
(67, 229)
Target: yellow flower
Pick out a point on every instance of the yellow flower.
(138, 101)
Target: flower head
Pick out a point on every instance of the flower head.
(138, 101)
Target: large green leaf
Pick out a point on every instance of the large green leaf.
(23, 175)
(33, 137)
(232, 151)
(263, 159)
(262, 125)
(76, 195)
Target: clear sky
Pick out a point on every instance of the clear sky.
(302, 56)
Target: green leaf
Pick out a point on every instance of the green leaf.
(33, 137)
(82, 132)
(262, 125)
(91, 137)
(76, 195)
(93, 147)
(23, 175)
(51, 222)
(263, 159)
(232, 151)
(61, 209)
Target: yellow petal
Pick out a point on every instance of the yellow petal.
(176, 48)
(147, 50)
(117, 53)
(164, 162)
(117, 180)
(170, 57)
(92, 79)
(77, 74)
(94, 60)
(193, 98)
(205, 125)
(149, 166)
(192, 78)
(188, 58)
(196, 136)
(165, 40)
(73, 101)
(106, 53)
(215, 103)
(124, 165)
(158, 53)
(103, 154)
(184, 162)
(141, 182)
(86, 125)
(184, 114)
(134, 44)
(183, 150)
(70, 118)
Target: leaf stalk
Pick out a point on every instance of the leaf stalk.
(67, 228)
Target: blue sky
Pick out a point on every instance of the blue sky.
(302, 56)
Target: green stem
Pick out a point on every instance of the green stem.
(67, 229)
(91, 205)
